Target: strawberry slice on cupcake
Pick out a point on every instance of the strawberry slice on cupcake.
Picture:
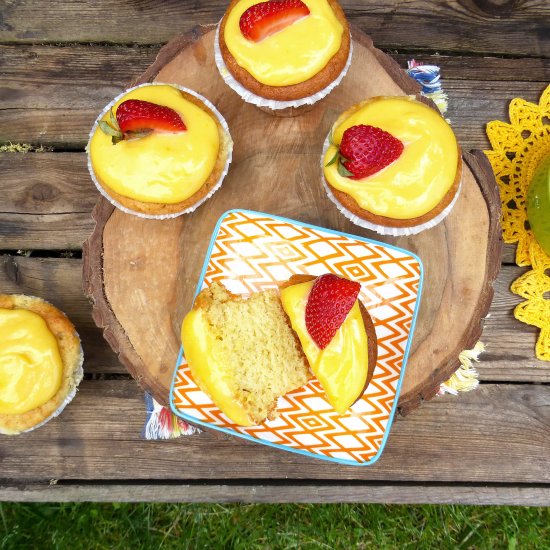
(137, 118)
(288, 52)
(328, 305)
(336, 333)
(159, 150)
(266, 18)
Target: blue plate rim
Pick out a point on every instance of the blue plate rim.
(193, 420)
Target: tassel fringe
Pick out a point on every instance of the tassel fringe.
(428, 76)
(161, 423)
(466, 377)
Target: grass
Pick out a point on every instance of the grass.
(22, 148)
(258, 526)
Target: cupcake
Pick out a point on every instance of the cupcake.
(283, 54)
(40, 362)
(159, 151)
(393, 165)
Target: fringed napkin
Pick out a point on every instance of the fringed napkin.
(161, 423)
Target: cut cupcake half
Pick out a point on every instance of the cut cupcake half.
(247, 352)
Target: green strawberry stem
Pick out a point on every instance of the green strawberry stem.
(112, 129)
(114, 122)
(115, 133)
(342, 170)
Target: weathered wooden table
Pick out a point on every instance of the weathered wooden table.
(61, 62)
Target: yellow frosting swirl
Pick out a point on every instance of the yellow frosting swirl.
(31, 367)
(419, 179)
(292, 55)
(342, 367)
(162, 167)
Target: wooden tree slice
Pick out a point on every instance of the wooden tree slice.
(141, 274)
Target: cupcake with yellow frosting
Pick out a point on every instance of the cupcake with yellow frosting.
(159, 151)
(40, 362)
(393, 165)
(283, 54)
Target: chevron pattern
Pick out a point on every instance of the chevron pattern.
(253, 252)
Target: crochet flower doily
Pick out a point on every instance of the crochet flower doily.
(518, 148)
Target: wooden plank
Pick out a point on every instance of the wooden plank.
(479, 89)
(498, 433)
(397, 493)
(483, 68)
(472, 104)
(47, 200)
(53, 77)
(20, 173)
(79, 74)
(45, 184)
(510, 344)
(489, 26)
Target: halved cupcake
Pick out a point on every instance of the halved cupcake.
(40, 362)
(392, 164)
(247, 352)
(283, 53)
(159, 151)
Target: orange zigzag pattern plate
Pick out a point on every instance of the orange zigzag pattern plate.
(250, 252)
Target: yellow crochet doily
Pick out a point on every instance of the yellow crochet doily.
(518, 148)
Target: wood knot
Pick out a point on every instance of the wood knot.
(44, 192)
(496, 8)
(11, 267)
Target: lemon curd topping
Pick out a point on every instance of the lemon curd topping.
(210, 372)
(292, 55)
(419, 179)
(31, 367)
(342, 367)
(162, 167)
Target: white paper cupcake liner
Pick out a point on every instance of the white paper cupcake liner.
(383, 229)
(259, 101)
(190, 209)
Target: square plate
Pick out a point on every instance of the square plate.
(251, 251)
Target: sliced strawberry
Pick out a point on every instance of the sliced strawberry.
(365, 150)
(266, 18)
(329, 302)
(135, 115)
